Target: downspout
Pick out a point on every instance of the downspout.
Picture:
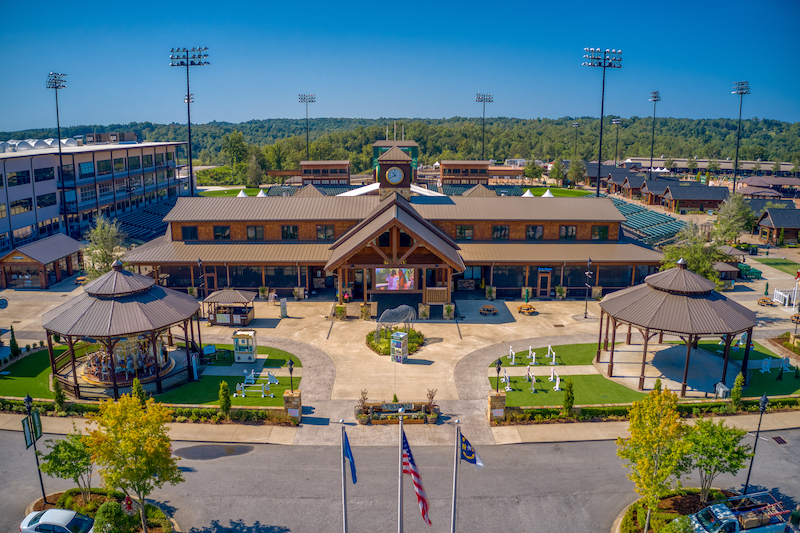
(563, 267)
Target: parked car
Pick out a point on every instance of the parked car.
(57, 521)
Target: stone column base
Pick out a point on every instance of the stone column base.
(497, 405)
(293, 404)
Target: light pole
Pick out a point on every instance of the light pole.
(290, 365)
(28, 402)
(307, 99)
(184, 57)
(588, 286)
(595, 57)
(56, 81)
(616, 122)
(762, 406)
(484, 99)
(655, 98)
(575, 151)
(497, 366)
(741, 88)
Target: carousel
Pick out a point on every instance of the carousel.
(119, 329)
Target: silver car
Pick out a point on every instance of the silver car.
(57, 521)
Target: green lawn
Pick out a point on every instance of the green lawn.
(28, 376)
(206, 392)
(277, 358)
(784, 265)
(589, 389)
(566, 354)
(557, 191)
(230, 192)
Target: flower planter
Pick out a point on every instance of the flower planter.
(448, 311)
(363, 420)
(491, 293)
(397, 421)
(423, 311)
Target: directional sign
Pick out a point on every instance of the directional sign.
(32, 428)
(36, 424)
(26, 430)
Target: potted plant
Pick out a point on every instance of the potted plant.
(448, 311)
(361, 411)
(561, 292)
(296, 293)
(490, 292)
(432, 409)
(263, 292)
(366, 311)
(190, 291)
(424, 311)
(341, 312)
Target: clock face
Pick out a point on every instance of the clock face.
(394, 175)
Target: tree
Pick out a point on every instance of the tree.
(736, 392)
(58, 395)
(714, 449)
(224, 398)
(577, 171)
(254, 173)
(12, 345)
(104, 239)
(655, 448)
(557, 172)
(137, 391)
(774, 205)
(569, 397)
(132, 448)
(735, 217)
(670, 163)
(776, 168)
(757, 168)
(691, 164)
(533, 171)
(692, 247)
(713, 166)
(277, 155)
(70, 458)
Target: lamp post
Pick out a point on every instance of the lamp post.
(484, 99)
(290, 364)
(307, 99)
(655, 98)
(575, 151)
(588, 286)
(56, 81)
(616, 122)
(184, 57)
(595, 57)
(741, 88)
(762, 406)
(28, 402)
(498, 365)
(202, 277)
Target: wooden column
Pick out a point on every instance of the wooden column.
(491, 277)
(660, 337)
(156, 356)
(188, 353)
(199, 337)
(50, 351)
(449, 283)
(527, 271)
(686, 366)
(71, 345)
(600, 335)
(725, 355)
(424, 285)
(339, 283)
(644, 358)
(746, 358)
(605, 342)
(110, 349)
(613, 344)
(628, 336)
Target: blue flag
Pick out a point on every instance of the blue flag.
(348, 454)
(469, 454)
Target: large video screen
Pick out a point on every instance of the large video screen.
(394, 279)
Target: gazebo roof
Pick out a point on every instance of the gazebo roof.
(678, 301)
(117, 304)
(230, 296)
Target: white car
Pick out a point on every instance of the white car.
(57, 521)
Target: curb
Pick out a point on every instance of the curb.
(175, 526)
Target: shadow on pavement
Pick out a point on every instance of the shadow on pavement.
(238, 526)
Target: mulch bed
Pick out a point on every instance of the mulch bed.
(687, 504)
(100, 499)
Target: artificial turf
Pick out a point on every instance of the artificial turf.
(588, 389)
(28, 376)
(230, 192)
(784, 265)
(566, 354)
(277, 358)
(205, 391)
(557, 191)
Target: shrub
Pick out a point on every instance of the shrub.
(111, 517)
(27, 348)
(41, 344)
(569, 397)
(736, 392)
(13, 344)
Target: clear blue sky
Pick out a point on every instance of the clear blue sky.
(395, 59)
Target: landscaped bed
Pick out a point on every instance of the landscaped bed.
(589, 389)
(415, 341)
(672, 506)
(206, 392)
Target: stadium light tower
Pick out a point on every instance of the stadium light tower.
(484, 99)
(57, 81)
(184, 57)
(596, 57)
(616, 122)
(307, 99)
(654, 97)
(741, 88)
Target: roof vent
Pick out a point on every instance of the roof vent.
(681, 263)
(116, 265)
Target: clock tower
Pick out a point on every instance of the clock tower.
(393, 173)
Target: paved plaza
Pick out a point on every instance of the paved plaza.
(455, 360)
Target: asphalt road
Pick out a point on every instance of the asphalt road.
(576, 487)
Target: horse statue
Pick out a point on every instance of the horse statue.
(404, 314)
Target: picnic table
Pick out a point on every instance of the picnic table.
(526, 309)
(488, 310)
(796, 318)
(765, 300)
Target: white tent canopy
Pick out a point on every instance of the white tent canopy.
(547, 194)
(242, 194)
(528, 194)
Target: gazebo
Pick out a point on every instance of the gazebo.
(680, 302)
(126, 313)
(231, 307)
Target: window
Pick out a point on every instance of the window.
(324, 233)
(567, 233)
(473, 171)
(104, 167)
(148, 161)
(149, 180)
(23, 235)
(316, 171)
(405, 240)
(44, 174)
(306, 171)
(21, 206)
(68, 172)
(2, 210)
(161, 177)
(599, 233)
(463, 233)
(255, 233)
(222, 233)
(189, 233)
(385, 240)
(534, 233)
(170, 156)
(86, 169)
(19, 178)
(289, 233)
(159, 159)
(106, 190)
(499, 233)
(119, 165)
(88, 194)
(133, 162)
(46, 200)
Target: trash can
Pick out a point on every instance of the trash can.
(753, 250)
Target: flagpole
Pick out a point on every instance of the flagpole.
(344, 483)
(400, 481)
(456, 457)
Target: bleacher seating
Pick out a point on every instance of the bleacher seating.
(146, 224)
(649, 226)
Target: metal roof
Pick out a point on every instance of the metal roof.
(221, 252)
(467, 162)
(394, 154)
(771, 181)
(533, 252)
(49, 249)
(518, 208)
(90, 148)
(394, 143)
(719, 266)
(680, 280)
(210, 209)
(118, 282)
(324, 163)
(231, 296)
(480, 191)
(309, 191)
(758, 191)
(780, 218)
(696, 193)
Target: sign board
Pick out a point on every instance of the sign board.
(396, 406)
(294, 412)
(36, 424)
(26, 430)
(498, 413)
(32, 428)
(284, 311)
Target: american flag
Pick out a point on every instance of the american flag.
(410, 468)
